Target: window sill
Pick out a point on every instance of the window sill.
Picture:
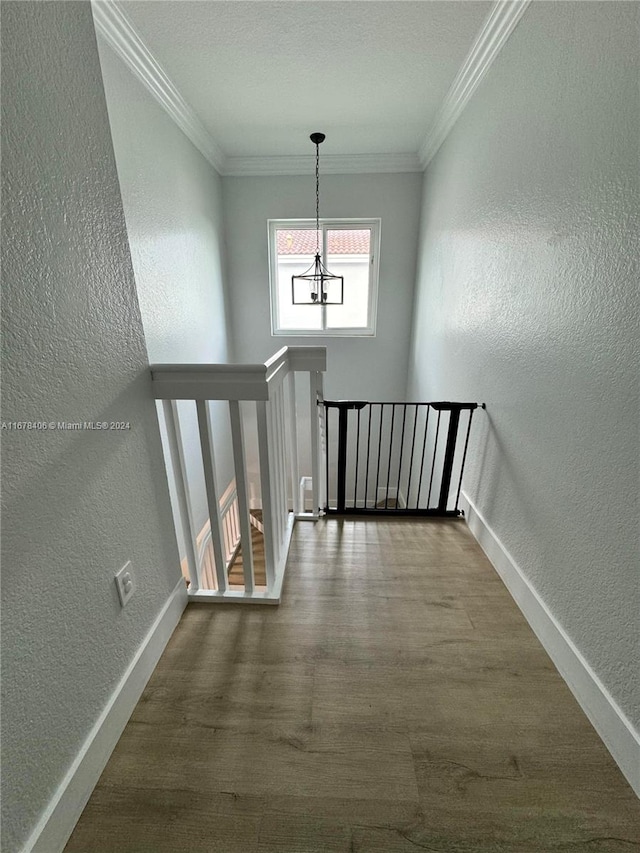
(324, 333)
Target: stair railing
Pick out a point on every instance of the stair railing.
(272, 388)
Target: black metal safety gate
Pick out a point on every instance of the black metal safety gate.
(393, 458)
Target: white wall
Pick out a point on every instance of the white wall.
(172, 201)
(527, 300)
(365, 368)
(77, 505)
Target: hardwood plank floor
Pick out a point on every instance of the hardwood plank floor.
(395, 701)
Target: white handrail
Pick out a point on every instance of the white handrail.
(233, 381)
(277, 451)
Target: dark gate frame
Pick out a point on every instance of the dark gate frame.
(455, 409)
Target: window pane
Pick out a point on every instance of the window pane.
(295, 254)
(349, 255)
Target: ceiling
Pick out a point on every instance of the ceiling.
(260, 75)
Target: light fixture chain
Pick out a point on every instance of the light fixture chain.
(317, 198)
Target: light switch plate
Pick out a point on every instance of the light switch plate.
(125, 583)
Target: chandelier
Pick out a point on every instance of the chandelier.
(316, 285)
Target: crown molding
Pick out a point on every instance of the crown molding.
(332, 164)
(501, 22)
(113, 25)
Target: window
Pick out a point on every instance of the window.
(349, 248)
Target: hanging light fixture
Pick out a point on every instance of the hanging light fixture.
(316, 285)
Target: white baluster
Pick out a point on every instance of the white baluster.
(226, 522)
(275, 485)
(293, 446)
(280, 466)
(264, 448)
(285, 457)
(273, 465)
(239, 460)
(322, 441)
(176, 453)
(208, 461)
(315, 442)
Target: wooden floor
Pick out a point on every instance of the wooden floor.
(395, 702)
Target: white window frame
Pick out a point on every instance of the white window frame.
(374, 225)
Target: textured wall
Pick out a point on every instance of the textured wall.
(527, 300)
(77, 505)
(250, 202)
(172, 201)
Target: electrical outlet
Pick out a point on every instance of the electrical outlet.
(125, 583)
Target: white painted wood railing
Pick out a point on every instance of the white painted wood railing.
(272, 387)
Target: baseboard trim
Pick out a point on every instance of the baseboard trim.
(63, 811)
(609, 721)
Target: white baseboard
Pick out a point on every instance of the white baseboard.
(63, 811)
(615, 730)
